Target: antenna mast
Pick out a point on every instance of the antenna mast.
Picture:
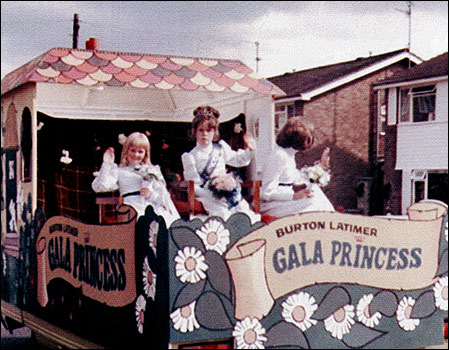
(409, 14)
(257, 56)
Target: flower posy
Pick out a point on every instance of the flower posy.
(316, 174)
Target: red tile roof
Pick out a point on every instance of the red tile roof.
(95, 67)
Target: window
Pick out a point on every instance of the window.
(282, 113)
(430, 184)
(417, 104)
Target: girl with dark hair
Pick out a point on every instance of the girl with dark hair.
(287, 190)
(205, 164)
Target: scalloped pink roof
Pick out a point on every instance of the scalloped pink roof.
(95, 67)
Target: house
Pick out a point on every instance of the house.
(339, 100)
(416, 156)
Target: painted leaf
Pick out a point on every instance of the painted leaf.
(185, 236)
(286, 334)
(189, 293)
(218, 273)
(360, 335)
(384, 302)
(424, 305)
(442, 268)
(333, 300)
(211, 314)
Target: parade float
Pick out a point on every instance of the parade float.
(83, 270)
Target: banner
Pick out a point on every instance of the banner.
(331, 247)
(97, 258)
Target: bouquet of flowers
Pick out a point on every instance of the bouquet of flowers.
(145, 172)
(316, 174)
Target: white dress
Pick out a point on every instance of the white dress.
(195, 161)
(129, 180)
(278, 176)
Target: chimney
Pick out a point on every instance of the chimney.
(92, 44)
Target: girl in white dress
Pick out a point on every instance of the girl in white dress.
(286, 190)
(140, 183)
(205, 164)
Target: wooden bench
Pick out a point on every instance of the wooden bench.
(183, 196)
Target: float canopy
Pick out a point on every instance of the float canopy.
(97, 84)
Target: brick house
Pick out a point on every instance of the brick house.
(339, 100)
(416, 156)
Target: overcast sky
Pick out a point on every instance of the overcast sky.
(291, 35)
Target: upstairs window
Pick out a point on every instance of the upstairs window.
(417, 104)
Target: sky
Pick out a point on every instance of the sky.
(285, 36)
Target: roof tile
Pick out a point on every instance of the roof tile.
(83, 55)
(200, 79)
(101, 76)
(87, 67)
(48, 72)
(87, 80)
(125, 77)
(107, 56)
(71, 60)
(199, 67)
(168, 64)
(174, 79)
(74, 74)
(121, 63)
(130, 57)
(150, 78)
(139, 84)
(97, 61)
(188, 85)
(135, 70)
(212, 73)
(155, 59)
(111, 69)
(143, 63)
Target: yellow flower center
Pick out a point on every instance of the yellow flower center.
(190, 264)
(212, 238)
(250, 336)
(299, 313)
(185, 311)
(339, 315)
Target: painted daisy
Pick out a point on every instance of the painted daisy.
(183, 318)
(214, 236)
(363, 314)
(249, 334)
(340, 322)
(149, 280)
(403, 313)
(190, 265)
(298, 309)
(152, 235)
(440, 292)
(141, 303)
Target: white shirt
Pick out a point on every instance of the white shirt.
(196, 160)
(280, 168)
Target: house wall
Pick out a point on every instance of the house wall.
(343, 119)
(415, 146)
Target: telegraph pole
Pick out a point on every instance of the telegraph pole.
(76, 28)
